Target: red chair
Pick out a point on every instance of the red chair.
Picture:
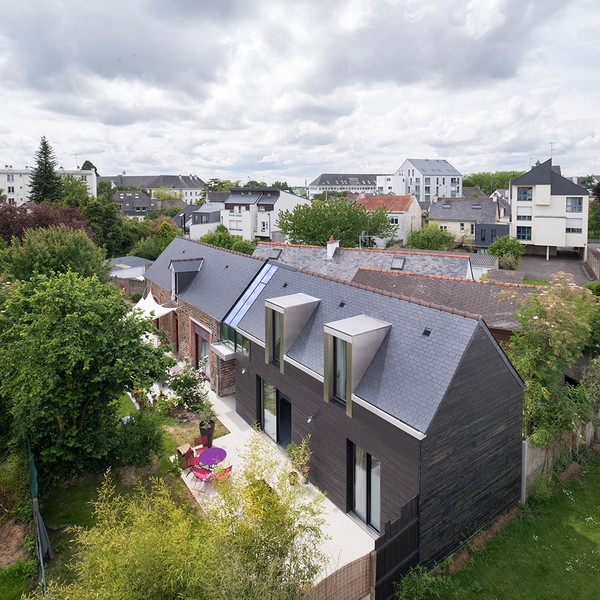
(223, 475)
(190, 460)
(200, 443)
(202, 475)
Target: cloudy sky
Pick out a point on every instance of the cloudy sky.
(280, 90)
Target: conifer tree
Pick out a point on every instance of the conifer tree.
(45, 181)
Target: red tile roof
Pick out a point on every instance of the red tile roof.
(392, 203)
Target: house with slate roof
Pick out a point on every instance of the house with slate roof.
(203, 283)
(135, 204)
(205, 218)
(343, 263)
(343, 182)
(460, 215)
(253, 212)
(404, 212)
(413, 409)
(189, 186)
(549, 211)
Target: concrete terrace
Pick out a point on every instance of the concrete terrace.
(348, 540)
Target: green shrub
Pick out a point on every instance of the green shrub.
(139, 438)
(136, 297)
(509, 262)
(594, 286)
(14, 482)
(243, 246)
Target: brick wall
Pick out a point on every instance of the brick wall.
(222, 373)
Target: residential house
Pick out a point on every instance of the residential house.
(426, 178)
(343, 182)
(16, 182)
(191, 187)
(549, 211)
(127, 267)
(183, 219)
(203, 283)
(343, 263)
(413, 409)
(253, 212)
(404, 212)
(135, 204)
(459, 215)
(204, 219)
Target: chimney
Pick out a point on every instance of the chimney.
(332, 246)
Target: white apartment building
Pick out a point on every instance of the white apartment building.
(15, 182)
(426, 178)
(549, 211)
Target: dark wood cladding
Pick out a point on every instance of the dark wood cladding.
(397, 451)
(471, 457)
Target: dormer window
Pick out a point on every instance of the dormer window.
(285, 317)
(350, 346)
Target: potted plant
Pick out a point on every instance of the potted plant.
(207, 417)
(300, 456)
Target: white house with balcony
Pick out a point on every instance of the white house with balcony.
(549, 211)
(425, 178)
(16, 182)
(253, 212)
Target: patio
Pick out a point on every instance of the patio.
(348, 539)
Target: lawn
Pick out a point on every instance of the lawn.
(552, 550)
(535, 281)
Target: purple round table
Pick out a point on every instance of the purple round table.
(212, 456)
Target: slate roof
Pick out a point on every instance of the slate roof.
(216, 196)
(129, 261)
(346, 261)
(545, 174)
(395, 381)
(350, 179)
(206, 208)
(463, 209)
(155, 181)
(220, 282)
(473, 192)
(479, 297)
(434, 167)
(478, 259)
(391, 203)
(247, 196)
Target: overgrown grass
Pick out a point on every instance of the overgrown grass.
(15, 580)
(551, 551)
(535, 281)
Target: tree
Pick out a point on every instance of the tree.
(489, 182)
(69, 348)
(260, 539)
(168, 197)
(3, 196)
(223, 239)
(430, 237)
(252, 183)
(594, 214)
(329, 195)
(53, 250)
(74, 191)
(162, 232)
(281, 185)
(45, 183)
(90, 166)
(504, 246)
(315, 223)
(588, 182)
(554, 328)
(106, 224)
(219, 185)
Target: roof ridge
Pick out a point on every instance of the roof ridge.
(224, 249)
(410, 299)
(448, 278)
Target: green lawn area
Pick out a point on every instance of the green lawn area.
(535, 281)
(552, 550)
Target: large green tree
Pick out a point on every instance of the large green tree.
(89, 166)
(430, 237)
(45, 183)
(490, 181)
(74, 191)
(69, 348)
(350, 223)
(223, 239)
(594, 213)
(53, 250)
(106, 224)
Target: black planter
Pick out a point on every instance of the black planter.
(209, 432)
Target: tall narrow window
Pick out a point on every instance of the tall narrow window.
(276, 333)
(340, 368)
(366, 484)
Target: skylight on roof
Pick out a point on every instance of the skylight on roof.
(476, 205)
(446, 205)
(275, 253)
(398, 263)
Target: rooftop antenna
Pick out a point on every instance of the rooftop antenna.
(552, 147)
